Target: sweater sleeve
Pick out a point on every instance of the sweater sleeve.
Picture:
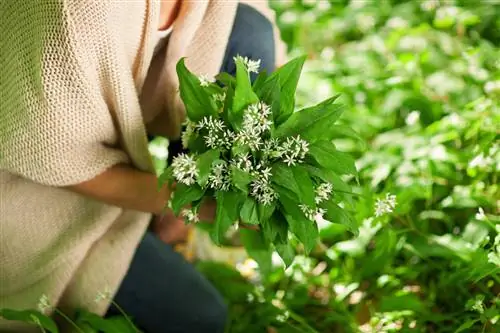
(55, 125)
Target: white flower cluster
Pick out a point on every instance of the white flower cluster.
(220, 177)
(323, 193)
(44, 305)
(293, 150)
(255, 123)
(188, 132)
(217, 135)
(184, 169)
(190, 215)
(251, 65)
(205, 80)
(261, 185)
(386, 205)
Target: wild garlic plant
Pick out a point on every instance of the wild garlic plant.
(265, 164)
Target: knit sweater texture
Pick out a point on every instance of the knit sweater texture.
(74, 102)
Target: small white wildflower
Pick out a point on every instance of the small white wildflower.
(386, 205)
(293, 150)
(250, 137)
(256, 118)
(261, 188)
(219, 97)
(412, 118)
(217, 136)
(323, 192)
(190, 215)
(219, 178)
(251, 65)
(44, 305)
(311, 214)
(480, 214)
(205, 80)
(270, 149)
(481, 162)
(188, 133)
(184, 169)
(103, 295)
(243, 162)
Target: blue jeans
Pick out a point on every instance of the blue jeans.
(162, 292)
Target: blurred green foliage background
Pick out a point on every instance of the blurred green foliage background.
(422, 82)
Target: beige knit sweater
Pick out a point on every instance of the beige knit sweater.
(72, 74)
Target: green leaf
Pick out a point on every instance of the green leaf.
(243, 94)
(105, 325)
(286, 252)
(258, 249)
(226, 79)
(240, 179)
(289, 75)
(259, 81)
(197, 101)
(297, 180)
(30, 316)
(165, 178)
(204, 164)
(314, 123)
(343, 131)
(326, 175)
(270, 93)
(305, 230)
(466, 325)
(327, 156)
(249, 213)
(336, 214)
(185, 195)
(122, 325)
(228, 208)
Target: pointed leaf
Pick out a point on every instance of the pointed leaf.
(336, 214)
(314, 123)
(30, 316)
(240, 179)
(305, 230)
(228, 208)
(204, 163)
(327, 156)
(226, 79)
(243, 94)
(343, 131)
(197, 101)
(289, 75)
(184, 195)
(326, 175)
(286, 252)
(297, 180)
(270, 93)
(259, 81)
(249, 213)
(258, 249)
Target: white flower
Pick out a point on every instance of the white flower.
(103, 295)
(323, 192)
(261, 187)
(311, 214)
(219, 178)
(184, 169)
(251, 65)
(219, 97)
(188, 133)
(386, 205)
(44, 305)
(480, 214)
(217, 136)
(293, 150)
(205, 80)
(256, 118)
(481, 162)
(190, 215)
(412, 118)
(243, 162)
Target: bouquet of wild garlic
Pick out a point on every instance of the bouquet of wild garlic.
(263, 163)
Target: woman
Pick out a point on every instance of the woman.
(83, 83)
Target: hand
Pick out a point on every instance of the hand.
(171, 229)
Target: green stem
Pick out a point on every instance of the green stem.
(301, 321)
(126, 317)
(62, 314)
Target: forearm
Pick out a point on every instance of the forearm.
(126, 187)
